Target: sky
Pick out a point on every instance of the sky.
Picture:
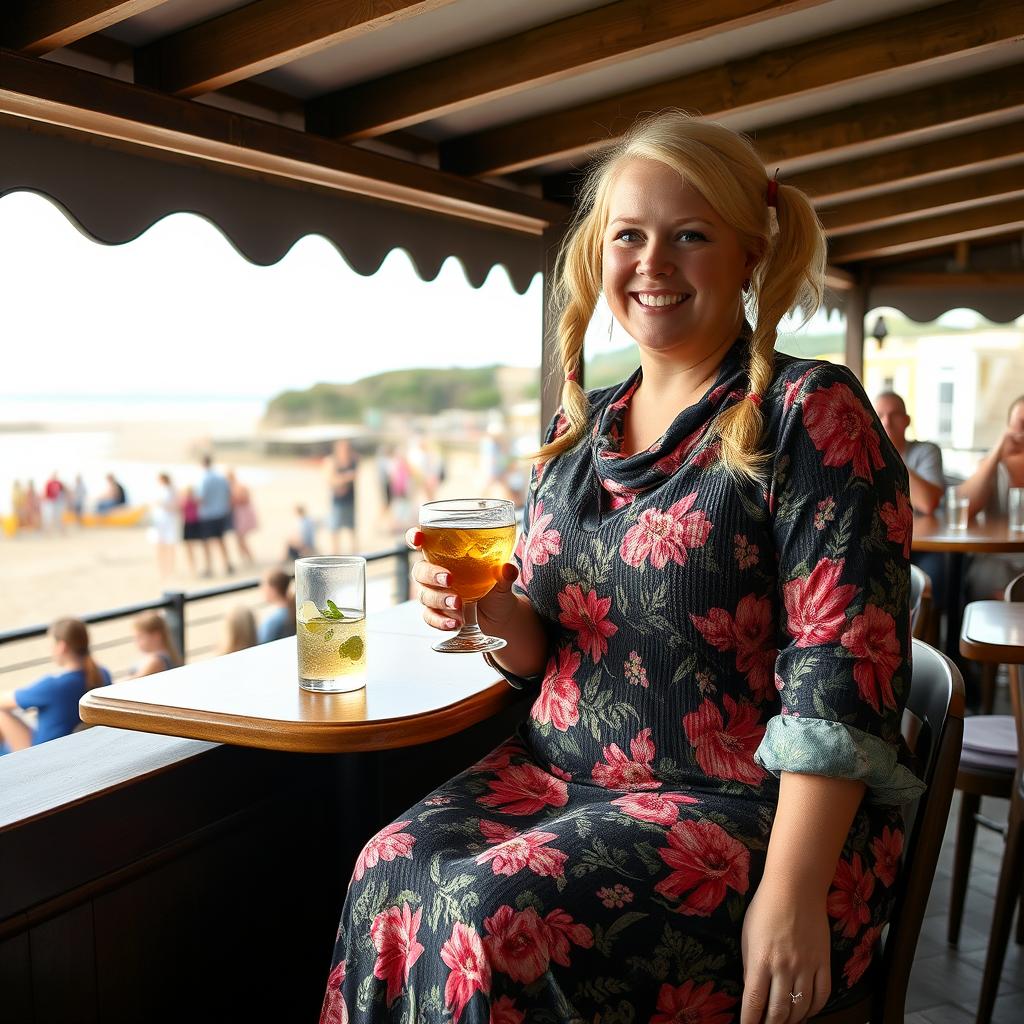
(179, 312)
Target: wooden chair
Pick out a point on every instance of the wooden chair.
(920, 602)
(1008, 890)
(988, 766)
(932, 727)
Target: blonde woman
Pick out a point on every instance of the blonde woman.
(153, 639)
(55, 697)
(239, 630)
(700, 818)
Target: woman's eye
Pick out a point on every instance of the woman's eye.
(627, 235)
(692, 236)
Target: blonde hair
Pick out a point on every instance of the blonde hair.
(724, 168)
(73, 633)
(154, 622)
(239, 630)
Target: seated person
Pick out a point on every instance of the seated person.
(302, 539)
(239, 630)
(113, 497)
(55, 696)
(987, 490)
(279, 622)
(153, 638)
(927, 484)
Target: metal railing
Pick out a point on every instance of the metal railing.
(174, 604)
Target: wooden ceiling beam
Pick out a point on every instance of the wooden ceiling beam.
(962, 102)
(60, 95)
(39, 26)
(996, 218)
(261, 36)
(918, 39)
(988, 280)
(548, 53)
(947, 159)
(910, 203)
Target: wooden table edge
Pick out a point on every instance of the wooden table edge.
(967, 547)
(299, 737)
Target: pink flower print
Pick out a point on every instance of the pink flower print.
(860, 959)
(634, 671)
(659, 808)
(726, 751)
(746, 554)
(843, 430)
(393, 933)
(560, 772)
(668, 464)
(690, 1002)
(848, 900)
(334, 1010)
(615, 897)
(517, 943)
(622, 773)
(541, 544)
(816, 606)
(503, 1011)
(562, 931)
(751, 634)
(824, 512)
(708, 454)
(390, 842)
(899, 520)
(872, 640)
(524, 789)
(588, 616)
(706, 862)
(665, 536)
(470, 969)
(514, 851)
(559, 697)
(887, 849)
(793, 389)
(437, 801)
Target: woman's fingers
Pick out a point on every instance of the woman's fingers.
(803, 990)
(822, 990)
(414, 537)
(440, 621)
(757, 984)
(781, 1009)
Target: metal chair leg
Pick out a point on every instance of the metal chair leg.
(969, 805)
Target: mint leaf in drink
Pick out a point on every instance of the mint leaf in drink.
(332, 611)
(328, 635)
(352, 648)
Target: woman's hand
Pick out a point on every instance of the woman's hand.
(786, 953)
(442, 607)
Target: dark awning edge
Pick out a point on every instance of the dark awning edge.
(114, 192)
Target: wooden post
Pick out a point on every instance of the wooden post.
(550, 364)
(856, 310)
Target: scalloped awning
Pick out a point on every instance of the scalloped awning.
(114, 191)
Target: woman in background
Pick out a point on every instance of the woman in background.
(239, 630)
(153, 638)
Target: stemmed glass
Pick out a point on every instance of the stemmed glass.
(472, 538)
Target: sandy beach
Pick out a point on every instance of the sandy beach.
(48, 575)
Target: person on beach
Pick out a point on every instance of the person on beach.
(192, 531)
(55, 697)
(166, 518)
(115, 496)
(700, 819)
(239, 630)
(214, 515)
(153, 639)
(279, 622)
(342, 468)
(32, 506)
(79, 494)
(301, 541)
(54, 501)
(243, 515)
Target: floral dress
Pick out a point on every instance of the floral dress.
(704, 636)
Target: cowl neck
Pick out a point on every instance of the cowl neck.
(623, 477)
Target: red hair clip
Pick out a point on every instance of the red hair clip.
(772, 194)
(573, 376)
(753, 396)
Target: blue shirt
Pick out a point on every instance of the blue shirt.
(56, 698)
(276, 626)
(214, 496)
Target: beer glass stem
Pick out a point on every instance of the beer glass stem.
(470, 628)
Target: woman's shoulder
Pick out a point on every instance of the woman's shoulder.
(793, 377)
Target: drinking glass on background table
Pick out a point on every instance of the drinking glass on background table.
(330, 621)
(1016, 508)
(957, 508)
(472, 538)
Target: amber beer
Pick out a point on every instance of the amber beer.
(473, 555)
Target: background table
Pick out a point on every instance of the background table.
(252, 698)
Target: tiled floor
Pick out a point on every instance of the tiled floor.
(945, 982)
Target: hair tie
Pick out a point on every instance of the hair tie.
(573, 376)
(772, 193)
(753, 396)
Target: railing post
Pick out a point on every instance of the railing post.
(402, 575)
(176, 618)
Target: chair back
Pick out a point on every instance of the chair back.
(920, 601)
(1015, 592)
(933, 728)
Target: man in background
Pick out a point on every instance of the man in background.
(279, 622)
(214, 514)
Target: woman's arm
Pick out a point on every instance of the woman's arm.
(785, 942)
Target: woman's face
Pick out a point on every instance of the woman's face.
(672, 270)
(147, 642)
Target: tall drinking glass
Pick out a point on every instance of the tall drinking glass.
(330, 623)
(472, 538)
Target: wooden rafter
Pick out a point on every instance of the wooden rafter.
(261, 36)
(56, 94)
(910, 203)
(987, 280)
(548, 53)
(996, 218)
(39, 26)
(918, 39)
(947, 158)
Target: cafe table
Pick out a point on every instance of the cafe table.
(989, 536)
(252, 698)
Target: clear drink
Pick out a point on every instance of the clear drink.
(1016, 503)
(957, 508)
